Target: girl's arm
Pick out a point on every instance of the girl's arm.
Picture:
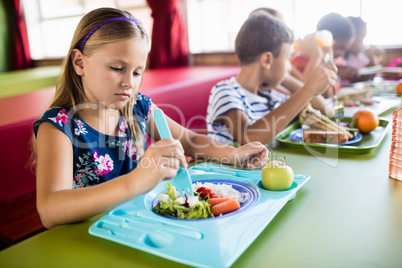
(200, 146)
(265, 129)
(58, 203)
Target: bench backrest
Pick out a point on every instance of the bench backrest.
(16, 178)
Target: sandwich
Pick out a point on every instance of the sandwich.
(351, 97)
(394, 73)
(317, 128)
(313, 135)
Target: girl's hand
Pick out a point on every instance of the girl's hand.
(161, 161)
(252, 155)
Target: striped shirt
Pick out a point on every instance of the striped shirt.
(228, 95)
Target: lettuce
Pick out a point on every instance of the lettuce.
(171, 191)
(175, 209)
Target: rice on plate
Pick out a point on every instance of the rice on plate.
(223, 190)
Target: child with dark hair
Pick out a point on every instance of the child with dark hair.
(236, 112)
(271, 11)
(357, 56)
(343, 33)
(294, 79)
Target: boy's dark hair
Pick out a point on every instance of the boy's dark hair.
(271, 11)
(339, 26)
(358, 24)
(260, 33)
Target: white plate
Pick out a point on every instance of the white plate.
(378, 86)
(370, 70)
(381, 104)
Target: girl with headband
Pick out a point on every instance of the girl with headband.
(91, 152)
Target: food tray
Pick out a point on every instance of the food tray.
(213, 242)
(367, 144)
(381, 105)
(371, 70)
(378, 86)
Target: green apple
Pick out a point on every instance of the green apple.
(277, 176)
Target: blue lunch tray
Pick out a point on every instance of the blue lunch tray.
(222, 239)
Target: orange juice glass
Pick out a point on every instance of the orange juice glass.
(323, 39)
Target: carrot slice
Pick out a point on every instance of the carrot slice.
(214, 201)
(216, 196)
(225, 207)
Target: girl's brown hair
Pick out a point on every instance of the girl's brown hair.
(69, 89)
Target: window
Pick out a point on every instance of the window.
(51, 23)
(213, 24)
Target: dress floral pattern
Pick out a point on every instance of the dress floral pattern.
(99, 157)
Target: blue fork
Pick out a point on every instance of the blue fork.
(182, 181)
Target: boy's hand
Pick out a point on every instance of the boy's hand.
(323, 77)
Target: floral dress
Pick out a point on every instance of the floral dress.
(99, 157)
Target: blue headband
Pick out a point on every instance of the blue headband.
(104, 23)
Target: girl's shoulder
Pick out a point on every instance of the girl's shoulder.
(59, 117)
(52, 112)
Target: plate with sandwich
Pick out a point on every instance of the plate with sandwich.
(313, 135)
(315, 131)
(352, 97)
(393, 73)
(370, 70)
(317, 128)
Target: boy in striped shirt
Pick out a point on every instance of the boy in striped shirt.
(245, 108)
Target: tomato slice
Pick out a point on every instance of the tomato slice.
(206, 192)
(201, 189)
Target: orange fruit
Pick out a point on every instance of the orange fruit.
(365, 121)
(399, 88)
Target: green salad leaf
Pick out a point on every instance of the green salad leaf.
(171, 191)
(175, 209)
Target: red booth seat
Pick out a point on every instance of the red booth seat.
(19, 218)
